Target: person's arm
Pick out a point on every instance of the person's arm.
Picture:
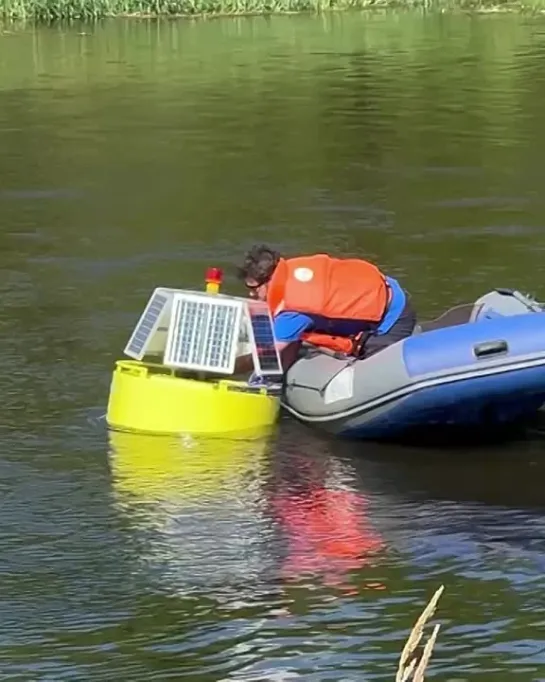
(288, 329)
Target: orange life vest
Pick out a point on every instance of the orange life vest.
(331, 288)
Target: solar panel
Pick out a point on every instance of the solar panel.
(266, 356)
(147, 324)
(204, 332)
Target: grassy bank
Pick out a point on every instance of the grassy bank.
(86, 10)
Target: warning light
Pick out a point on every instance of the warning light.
(213, 279)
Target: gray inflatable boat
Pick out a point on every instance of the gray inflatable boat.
(480, 364)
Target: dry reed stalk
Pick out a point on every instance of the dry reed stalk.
(406, 666)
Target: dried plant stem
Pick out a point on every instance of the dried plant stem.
(408, 661)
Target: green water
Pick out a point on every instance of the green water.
(135, 154)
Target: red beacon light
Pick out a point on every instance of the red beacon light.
(213, 279)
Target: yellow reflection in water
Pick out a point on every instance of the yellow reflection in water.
(194, 508)
(154, 468)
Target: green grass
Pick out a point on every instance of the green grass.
(56, 10)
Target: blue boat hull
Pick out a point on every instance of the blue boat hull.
(511, 398)
(485, 373)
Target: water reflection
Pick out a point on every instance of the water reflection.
(195, 507)
(322, 515)
(219, 514)
(475, 512)
(149, 469)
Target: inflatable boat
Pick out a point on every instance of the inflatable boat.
(478, 365)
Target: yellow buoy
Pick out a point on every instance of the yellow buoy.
(183, 350)
(150, 398)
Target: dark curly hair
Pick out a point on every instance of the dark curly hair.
(259, 264)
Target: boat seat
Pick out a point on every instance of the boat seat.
(460, 314)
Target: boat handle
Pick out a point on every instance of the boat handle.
(488, 348)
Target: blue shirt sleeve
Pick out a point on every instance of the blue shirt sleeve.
(290, 326)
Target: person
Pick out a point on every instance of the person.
(343, 305)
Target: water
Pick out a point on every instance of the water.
(136, 154)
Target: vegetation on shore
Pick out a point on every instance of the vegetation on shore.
(45, 11)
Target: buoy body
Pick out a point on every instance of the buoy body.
(151, 398)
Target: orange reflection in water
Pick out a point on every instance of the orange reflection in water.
(328, 533)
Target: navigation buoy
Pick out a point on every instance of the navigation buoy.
(179, 377)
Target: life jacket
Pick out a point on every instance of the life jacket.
(331, 290)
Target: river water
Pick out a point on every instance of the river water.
(134, 154)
